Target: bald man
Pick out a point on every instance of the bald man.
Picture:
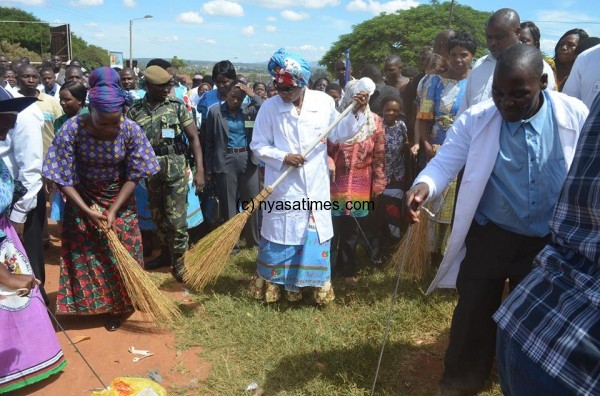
(516, 151)
(501, 31)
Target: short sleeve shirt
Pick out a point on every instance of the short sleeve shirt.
(163, 123)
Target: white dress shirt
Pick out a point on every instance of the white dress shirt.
(22, 154)
(584, 81)
(278, 131)
(479, 83)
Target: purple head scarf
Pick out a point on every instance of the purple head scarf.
(106, 94)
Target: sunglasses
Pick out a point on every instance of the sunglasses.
(284, 88)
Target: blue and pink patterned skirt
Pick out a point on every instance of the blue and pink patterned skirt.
(296, 266)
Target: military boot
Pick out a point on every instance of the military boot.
(163, 260)
(177, 270)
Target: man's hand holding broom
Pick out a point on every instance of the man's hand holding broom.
(413, 199)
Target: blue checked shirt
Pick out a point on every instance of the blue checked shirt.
(554, 313)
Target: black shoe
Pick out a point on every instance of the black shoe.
(164, 260)
(112, 324)
(177, 270)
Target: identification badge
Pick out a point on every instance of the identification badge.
(168, 133)
(248, 124)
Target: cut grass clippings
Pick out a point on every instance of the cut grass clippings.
(301, 349)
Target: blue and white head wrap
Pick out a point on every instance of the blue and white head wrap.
(289, 69)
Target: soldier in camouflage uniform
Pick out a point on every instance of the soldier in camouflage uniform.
(165, 119)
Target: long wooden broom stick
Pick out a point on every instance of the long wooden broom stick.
(144, 294)
(207, 258)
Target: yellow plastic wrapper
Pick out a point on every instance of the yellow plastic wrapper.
(130, 386)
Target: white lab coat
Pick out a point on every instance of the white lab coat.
(279, 131)
(473, 141)
(584, 80)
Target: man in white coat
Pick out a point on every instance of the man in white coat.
(501, 31)
(516, 150)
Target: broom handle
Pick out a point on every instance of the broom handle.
(313, 145)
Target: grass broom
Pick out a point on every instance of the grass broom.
(417, 261)
(144, 294)
(206, 259)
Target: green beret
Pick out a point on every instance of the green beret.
(157, 75)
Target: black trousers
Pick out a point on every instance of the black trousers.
(238, 184)
(33, 240)
(346, 235)
(493, 255)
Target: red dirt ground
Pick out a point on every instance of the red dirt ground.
(107, 352)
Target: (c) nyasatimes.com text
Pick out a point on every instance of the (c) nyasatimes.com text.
(308, 204)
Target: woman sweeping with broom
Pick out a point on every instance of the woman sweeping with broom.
(296, 229)
(96, 159)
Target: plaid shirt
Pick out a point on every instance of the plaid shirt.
(554, 313)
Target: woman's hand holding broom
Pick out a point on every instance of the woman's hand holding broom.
(413, 199)
(361, 100)
(295, 160)
(124, 194)
(97, 217)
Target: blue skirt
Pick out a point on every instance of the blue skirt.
(57, 208)
(296, 266)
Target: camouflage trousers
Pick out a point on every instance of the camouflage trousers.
(167, 198)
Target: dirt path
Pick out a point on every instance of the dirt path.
(107, 352)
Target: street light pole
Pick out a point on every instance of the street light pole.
(131, 37)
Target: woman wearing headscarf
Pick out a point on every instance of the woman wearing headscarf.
(296, 227)
(97, 159)
(359, 177)
(29, 349)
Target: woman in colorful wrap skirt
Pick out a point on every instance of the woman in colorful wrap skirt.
(97, 159)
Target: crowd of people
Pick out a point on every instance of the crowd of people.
(500, 150)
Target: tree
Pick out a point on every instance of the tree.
(90, 56)
(35, 37)
(177, 63)
(405, 33)
(15, 51)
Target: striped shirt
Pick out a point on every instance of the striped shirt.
(554, 313)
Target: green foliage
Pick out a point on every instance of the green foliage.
(90, 56)
(33, 40)
(177, 63)
(15, 51)
(405, 33)
(35, 37)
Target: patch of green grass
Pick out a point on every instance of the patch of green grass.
(302, 349)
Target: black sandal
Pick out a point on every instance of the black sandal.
(112, 324)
